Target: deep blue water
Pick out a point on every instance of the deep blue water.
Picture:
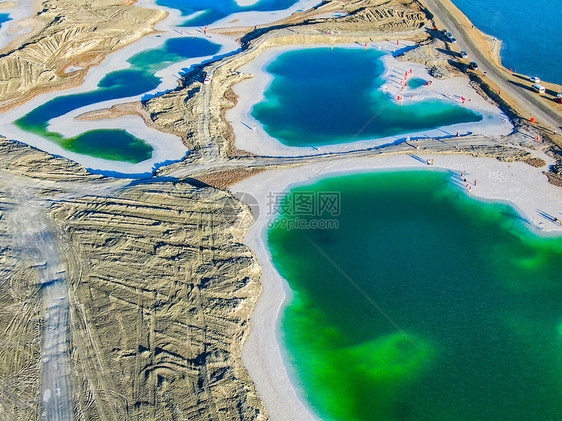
(123, 83)
(323, 96)
(530, 31)
(215, 10)
(4, 17)
(138, 79)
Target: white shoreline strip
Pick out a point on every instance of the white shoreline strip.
(253, 18)
(251, 91)
(246, 3)
(67, 124)
(166, 147)
(16, 26)
(524, 187)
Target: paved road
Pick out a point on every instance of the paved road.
(527, 99)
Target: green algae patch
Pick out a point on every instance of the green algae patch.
(396, 358)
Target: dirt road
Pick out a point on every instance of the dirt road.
(33, 237)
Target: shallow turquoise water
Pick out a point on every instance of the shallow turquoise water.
(215, 10)
(139, 78)
(322, 96)
(532, 42)
(472, 302)
(416, 83)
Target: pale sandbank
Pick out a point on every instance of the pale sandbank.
(17, 25)
(246, 3)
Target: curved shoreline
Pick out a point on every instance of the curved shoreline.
(18, 14)
(167, 147)
(163, 151)
(251, 91)
(77, 79)
(284, 386)
(523, 187)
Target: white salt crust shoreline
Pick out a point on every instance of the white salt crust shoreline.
(16, 26)
(258, 18)
(244, 3)
(523, 187)
(167, 147)
(251, 91)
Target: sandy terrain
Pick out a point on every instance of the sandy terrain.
(33, 335)
(158, 288)
(160, 285)
(158, 298)
(68, 33)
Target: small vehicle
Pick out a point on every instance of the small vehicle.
(534, 79)
(444, 31)
(473, 65)
(464, 54)
(538, 88)
(448, 34)
(453, 39)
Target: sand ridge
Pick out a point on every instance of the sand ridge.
(73, 33)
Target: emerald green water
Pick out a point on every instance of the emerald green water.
(323, 96)
(472, 303)
(139, 78)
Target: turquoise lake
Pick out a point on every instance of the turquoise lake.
(532, 42)
(214, 10)
(424, 304)
(136, 80)
(416, 83)
(321, 96)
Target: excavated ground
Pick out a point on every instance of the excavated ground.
(160, 286)
(71, 33)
